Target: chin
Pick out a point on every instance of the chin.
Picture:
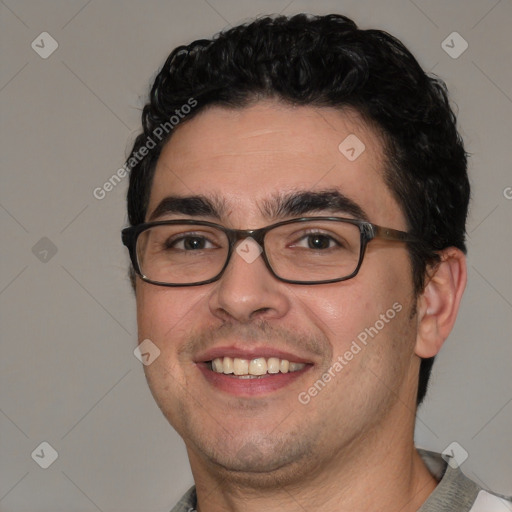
(259, 462)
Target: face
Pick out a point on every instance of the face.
(352, 341)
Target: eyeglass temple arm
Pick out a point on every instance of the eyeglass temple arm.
(392, 234)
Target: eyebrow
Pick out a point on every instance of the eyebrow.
(279, 206)
(301, 203)
(190, 205)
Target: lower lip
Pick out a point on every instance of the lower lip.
(250, 387)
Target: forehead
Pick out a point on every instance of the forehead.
(247, 156)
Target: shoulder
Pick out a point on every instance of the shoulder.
(188, 502)
(455, 491)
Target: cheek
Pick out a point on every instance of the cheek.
(373, 305)
(164, 314)
(339, 310)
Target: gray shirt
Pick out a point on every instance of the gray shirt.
(454, 493)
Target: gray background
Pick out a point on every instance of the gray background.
(68, 375)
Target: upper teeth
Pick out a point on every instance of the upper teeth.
(257, 366)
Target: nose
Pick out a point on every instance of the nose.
(247, 290)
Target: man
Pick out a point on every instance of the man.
(297, 203)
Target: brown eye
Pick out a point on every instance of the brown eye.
(319, 241)
(189, 243)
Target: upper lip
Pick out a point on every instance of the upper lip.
(249, 353)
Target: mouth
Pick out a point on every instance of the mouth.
(247, 373)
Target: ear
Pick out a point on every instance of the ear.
(439, 302)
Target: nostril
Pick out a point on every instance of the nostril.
(260, 312)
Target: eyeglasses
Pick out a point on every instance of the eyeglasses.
(308, 250)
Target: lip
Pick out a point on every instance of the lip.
(262, 385)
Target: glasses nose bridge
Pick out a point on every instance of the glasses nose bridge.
(235, 235)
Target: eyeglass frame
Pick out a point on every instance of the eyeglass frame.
(368, 232)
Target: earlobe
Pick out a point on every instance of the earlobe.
(439, 302)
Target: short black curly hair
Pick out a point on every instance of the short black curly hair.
(327, 61)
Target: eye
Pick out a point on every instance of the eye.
(317, 241)
(189, 243)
